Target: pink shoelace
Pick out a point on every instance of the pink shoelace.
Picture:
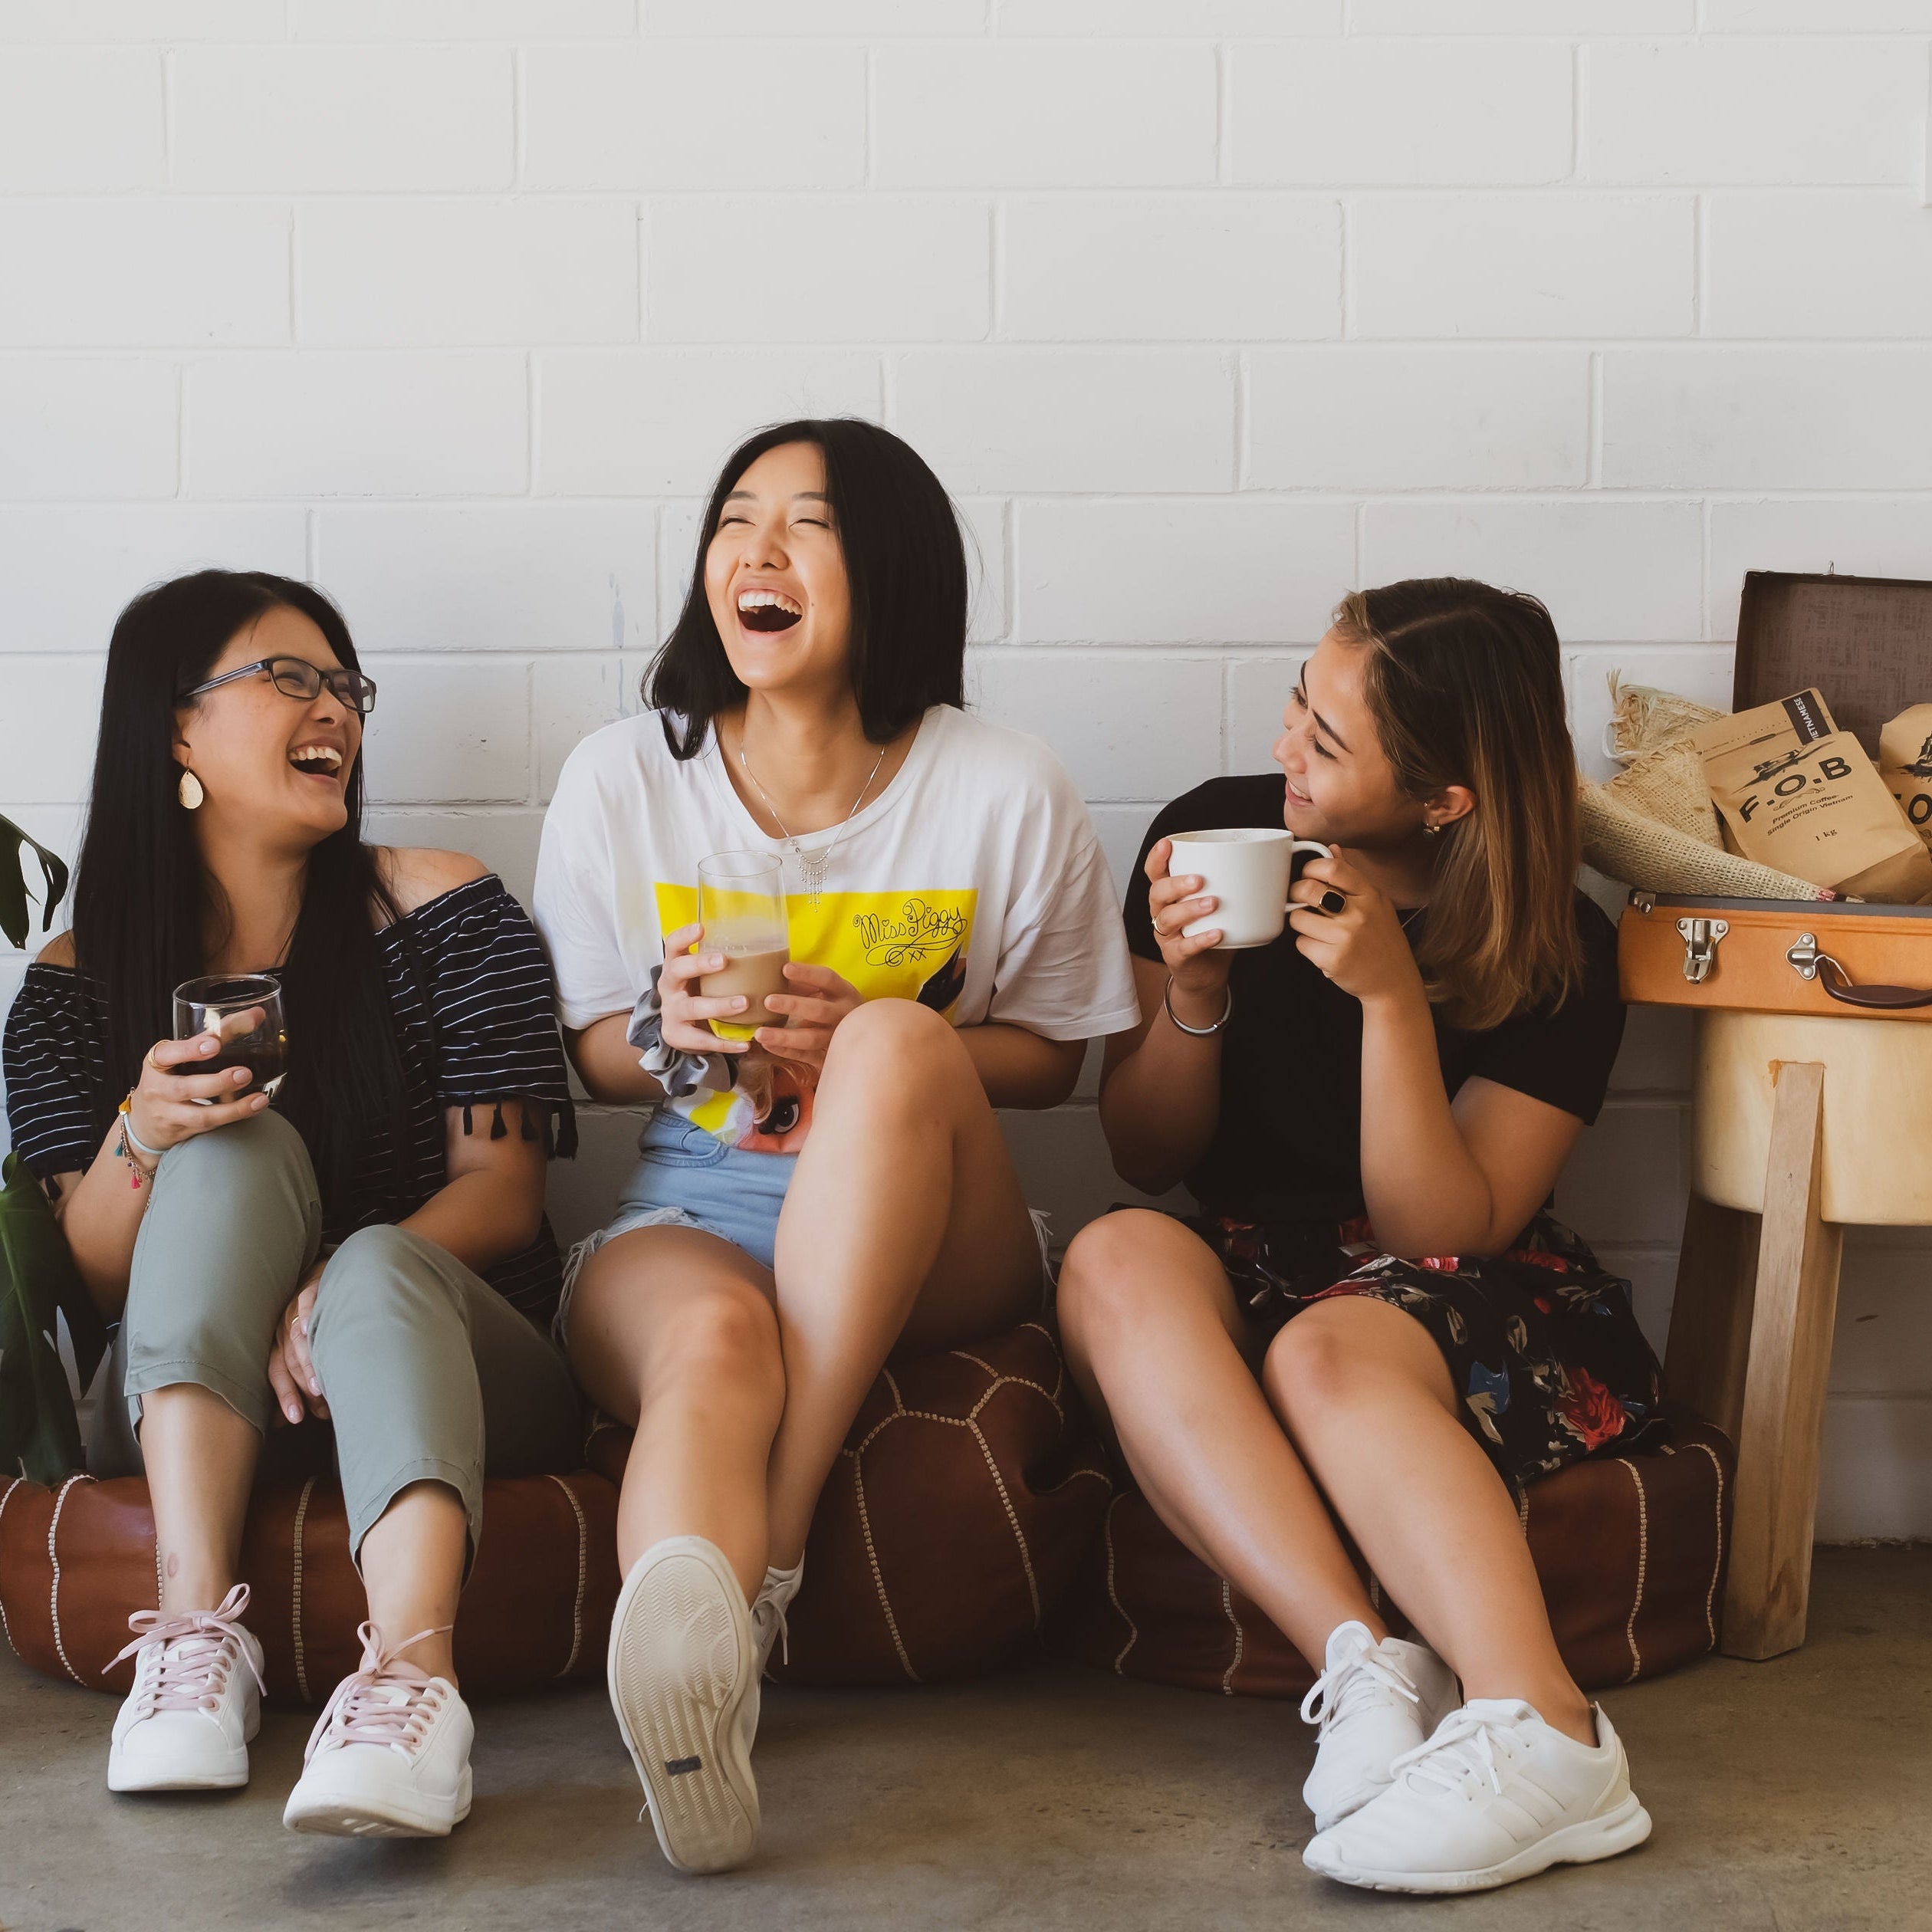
(197, 1650)
(386, 1702)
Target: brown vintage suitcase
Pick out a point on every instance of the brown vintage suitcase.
(1866, 642)
(1776, 981)
(1777, 956)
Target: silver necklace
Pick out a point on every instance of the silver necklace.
(811, 865)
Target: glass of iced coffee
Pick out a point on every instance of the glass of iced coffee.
(742, 906)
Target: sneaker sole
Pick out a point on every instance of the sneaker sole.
(1592, 1838)
(231, 1775)
(679, 1663)
(332, 1814)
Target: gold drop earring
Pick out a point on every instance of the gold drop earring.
(189, 791)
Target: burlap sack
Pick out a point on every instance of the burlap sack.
(1654, 824)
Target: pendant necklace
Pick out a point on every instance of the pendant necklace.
(811, 865)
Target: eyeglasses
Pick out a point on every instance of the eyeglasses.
(295, 677)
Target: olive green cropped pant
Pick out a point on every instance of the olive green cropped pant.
(430, 1374)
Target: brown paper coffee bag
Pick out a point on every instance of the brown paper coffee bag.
(1796, 792)
(1905, 763)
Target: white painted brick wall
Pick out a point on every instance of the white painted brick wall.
(381, 272)
(1205, 312)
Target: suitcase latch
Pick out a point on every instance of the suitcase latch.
(1700, 937)
(1804, 955)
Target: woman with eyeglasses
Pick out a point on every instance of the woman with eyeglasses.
(368, 1250)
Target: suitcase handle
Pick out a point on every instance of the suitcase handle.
(1809, 963)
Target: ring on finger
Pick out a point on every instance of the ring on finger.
(1332, 902)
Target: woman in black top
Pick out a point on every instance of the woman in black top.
(1372, 1315)
(370, 1250)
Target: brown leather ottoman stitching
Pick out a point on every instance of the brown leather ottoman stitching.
(1631, 1550)
(968, 1490)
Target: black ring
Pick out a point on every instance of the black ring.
(1334, 901)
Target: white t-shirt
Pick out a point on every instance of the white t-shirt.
(974, 883)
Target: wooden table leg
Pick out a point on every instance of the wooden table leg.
(1710, 1344)
(1795, 1300)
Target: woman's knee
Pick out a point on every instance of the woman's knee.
(724, 1334)
(1112, 1273)
(891, 1038)
(248, 1157)
(385, 1276)
(1331, 1354)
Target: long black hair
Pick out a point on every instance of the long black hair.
(145, 905)
(904, 562)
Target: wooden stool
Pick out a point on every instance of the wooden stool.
(1803, 1126)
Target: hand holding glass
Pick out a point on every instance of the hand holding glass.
(244, 1012)
(741, 907)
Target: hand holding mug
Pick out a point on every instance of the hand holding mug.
(1185, 932)
(1361, 946)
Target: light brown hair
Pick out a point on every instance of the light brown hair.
(1466, 685)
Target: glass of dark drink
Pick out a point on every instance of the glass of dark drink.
(244, 1012)
(741, 905)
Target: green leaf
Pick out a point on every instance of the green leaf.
(40, 1434)
(14, 921)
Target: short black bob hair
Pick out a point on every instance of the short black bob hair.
(906, 565)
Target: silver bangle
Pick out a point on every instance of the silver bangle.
(1181, 1025)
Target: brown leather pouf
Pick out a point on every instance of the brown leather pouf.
(968, 1490)
(74, 1561)
(1630, 1550)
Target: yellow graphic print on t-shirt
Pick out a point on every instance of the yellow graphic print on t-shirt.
(888, 945)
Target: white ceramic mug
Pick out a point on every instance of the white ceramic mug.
(1248, 869)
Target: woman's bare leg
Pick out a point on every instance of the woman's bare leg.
(411, 1561)
(1366, 1394)
(200, 1459)
(673, 1330)
(1150, 1327)
(905, 1226)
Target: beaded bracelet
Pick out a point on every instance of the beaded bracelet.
(129, 1140)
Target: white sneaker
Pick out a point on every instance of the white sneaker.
(683, 1673)
(768, 1633)
(195, 1704)
(389, 1756)
(775, 1595)
(1373, 1702)
(1495, 1795)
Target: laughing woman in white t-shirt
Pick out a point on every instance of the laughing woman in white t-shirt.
(828, 1192)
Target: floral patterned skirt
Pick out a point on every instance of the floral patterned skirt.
(1541, 1341)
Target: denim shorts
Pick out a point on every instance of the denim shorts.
(686, 1177)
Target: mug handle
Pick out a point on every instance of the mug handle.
(1307, 845)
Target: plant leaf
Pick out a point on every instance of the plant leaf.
(14, 921)
(40, 1434)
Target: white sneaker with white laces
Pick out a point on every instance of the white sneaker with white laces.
(682, 1668)
(768, 1633)
(196, 1702)
(1373, 1702)
(389, 1756)
(775, 1595)
(1495, 1794)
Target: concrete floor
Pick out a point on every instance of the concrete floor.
(1788, 1796)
